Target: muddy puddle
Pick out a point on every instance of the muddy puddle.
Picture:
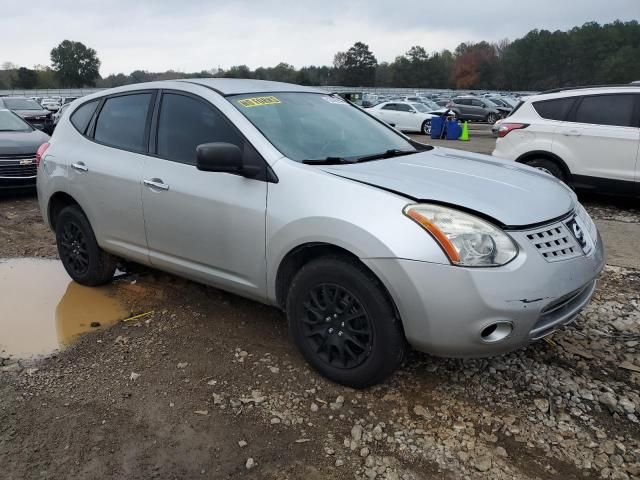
(43, 310)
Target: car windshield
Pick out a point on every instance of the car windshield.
(10, 122)
(312, 126)
(489, 103)
(21, 104)
(420, 107)
(430, 104)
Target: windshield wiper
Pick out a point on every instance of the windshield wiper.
(327, 161)
(388, 154)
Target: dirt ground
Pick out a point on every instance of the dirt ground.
(209, 386)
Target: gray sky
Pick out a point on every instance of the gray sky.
(192, 35)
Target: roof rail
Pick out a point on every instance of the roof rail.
(556, 90)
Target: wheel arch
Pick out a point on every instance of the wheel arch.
(302, 254)
(548, 156)
(57, 202)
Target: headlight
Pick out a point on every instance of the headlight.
(466, 239)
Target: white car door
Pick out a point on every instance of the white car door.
(600, 141)
(388, 113)
(407, 116)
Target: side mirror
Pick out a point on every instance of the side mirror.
(223, 157)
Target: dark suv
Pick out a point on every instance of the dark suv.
(474, 108)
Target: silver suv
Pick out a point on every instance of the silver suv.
(368, 240)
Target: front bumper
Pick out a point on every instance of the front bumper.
(445, 308)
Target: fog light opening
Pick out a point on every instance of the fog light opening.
(496, 332)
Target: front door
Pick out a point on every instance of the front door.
(208, 226)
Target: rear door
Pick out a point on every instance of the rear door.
(208, 226)
(106, 169)
(600, 142)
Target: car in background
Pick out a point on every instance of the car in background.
(404, 116)
(67, 100)
(19, 143)
(29, 110)
(587, 137)
(477, 109)
(52, 103)
(501, 102)
(432, 107)
(56, 116)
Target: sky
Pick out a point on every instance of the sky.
(195, 35)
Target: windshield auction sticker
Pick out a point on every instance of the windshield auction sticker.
(258, 101)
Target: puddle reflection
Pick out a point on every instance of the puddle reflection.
(42, 310)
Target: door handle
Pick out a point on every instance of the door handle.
(80, 167)
(156, 183)
(572, 133)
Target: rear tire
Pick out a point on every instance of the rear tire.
(343, 322)
(83, 259)
(548, 166)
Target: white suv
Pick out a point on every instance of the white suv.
(587, 137)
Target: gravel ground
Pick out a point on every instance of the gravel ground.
(208, 386)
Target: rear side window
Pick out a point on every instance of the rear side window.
(616, 110)
(122, 122)
(556, 109)
(82, 116)
(185, 123)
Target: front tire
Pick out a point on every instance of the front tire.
(83, 259)
(426, 127)
(343, 322)
(492, 118)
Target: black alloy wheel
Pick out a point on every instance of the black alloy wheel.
(337, 326)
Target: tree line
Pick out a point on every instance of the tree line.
(588, 54)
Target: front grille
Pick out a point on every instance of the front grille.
(555, 242)
(13, 169)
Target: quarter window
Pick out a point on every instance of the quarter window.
(184, 123)
(616, 110)
(82, 116)
(122, 122)
(556, 109)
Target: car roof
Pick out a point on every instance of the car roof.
(237, 86)
(579, 91)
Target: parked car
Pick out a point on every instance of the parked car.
(587, 137)
(56, 116)
(506, 107)
(432, 107)
(52, 104)
(405, 116)
(67, 100)
(476, 108)
(19, 142)
(296, 198)
(29, 110)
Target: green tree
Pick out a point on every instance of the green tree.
(75, 64)
(357, 66)
(26, 78)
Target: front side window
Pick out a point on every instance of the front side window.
(21, 104)
(184, 123)
(403, 107)
(556, 109)
(616, 110)
(122, 122)
(10, 122)
(313, 126)
(390, 106)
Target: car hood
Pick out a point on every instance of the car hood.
(32, 113)
(14, 143)
(511, 194)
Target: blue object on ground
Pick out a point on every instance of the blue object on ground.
(436, 127)
(453, 130)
